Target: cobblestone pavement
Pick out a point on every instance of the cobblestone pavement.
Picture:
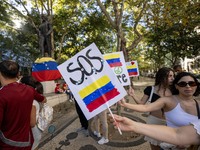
(65, 136)
(68, 139)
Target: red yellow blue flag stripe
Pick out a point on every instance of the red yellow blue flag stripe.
(113, 60)
(98, 93)
(132, 68)
(45, 69)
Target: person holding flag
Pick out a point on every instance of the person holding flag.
(101, 118)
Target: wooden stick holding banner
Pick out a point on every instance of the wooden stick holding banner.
(120, 132)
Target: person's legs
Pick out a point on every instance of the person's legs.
(96, 126)
(72, 96)
(155, 144)
(104, 127)
(69, 95)
(41, 44)
(48, 45)
(83, 120)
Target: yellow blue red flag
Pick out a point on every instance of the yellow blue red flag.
(45, 69)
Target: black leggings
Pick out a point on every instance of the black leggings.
(82, 118)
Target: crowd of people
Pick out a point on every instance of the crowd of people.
(163, 80)
(178, 109)
(173, 121)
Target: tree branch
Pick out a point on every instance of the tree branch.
(106, 14)
(28, 18)
(139, 36)
(43, 6)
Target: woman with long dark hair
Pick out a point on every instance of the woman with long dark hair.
(163, 80)
(181, 108)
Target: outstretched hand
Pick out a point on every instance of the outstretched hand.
(122, 102)
(123, 123)
(131, 91)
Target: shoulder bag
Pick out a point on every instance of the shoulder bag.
(150, 96)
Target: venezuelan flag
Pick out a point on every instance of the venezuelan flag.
(113, 60)
(45, 69)
(132, 69)
(98, 93)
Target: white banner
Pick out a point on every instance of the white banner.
(91, 80)
(117, 62)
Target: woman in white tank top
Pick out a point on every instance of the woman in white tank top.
(180, 108)
(163, 80)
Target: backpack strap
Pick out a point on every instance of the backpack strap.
(198, 111)
(150, 96)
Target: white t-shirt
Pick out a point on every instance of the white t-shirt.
(37, 134)
(37, 105)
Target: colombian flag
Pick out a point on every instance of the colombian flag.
(45, 69)
(132, 69)
(98, 93)
(113, 60)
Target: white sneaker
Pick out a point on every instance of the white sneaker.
(103, 141)
(97, 134)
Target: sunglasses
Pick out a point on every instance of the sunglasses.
(184, 84)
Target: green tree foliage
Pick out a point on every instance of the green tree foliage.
(167, 27)
(5, 24)
(5, 15)
(16, 45)
(76, 24)
(76, 27)
(19, 43)
(171, 30)
(32, 14)
(125, 18)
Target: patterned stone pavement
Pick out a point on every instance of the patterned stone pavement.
(69, 139)
(65, 136)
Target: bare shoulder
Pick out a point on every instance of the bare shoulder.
(198, 100)
(170, 102)
(168, 98)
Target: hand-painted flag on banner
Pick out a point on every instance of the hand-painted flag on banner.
(113, 60)
(92, 81)
(98, 93)
(45, 69)
(132, 68)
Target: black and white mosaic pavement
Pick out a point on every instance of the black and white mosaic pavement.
(67, 138)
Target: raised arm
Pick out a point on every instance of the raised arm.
(186, 135)
(157, 105)
(39, 97)
(45, 100)
(143, 100)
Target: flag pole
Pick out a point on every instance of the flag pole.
(120, 132)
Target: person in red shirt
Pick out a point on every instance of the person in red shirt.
(59, 88)
(16, 101)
